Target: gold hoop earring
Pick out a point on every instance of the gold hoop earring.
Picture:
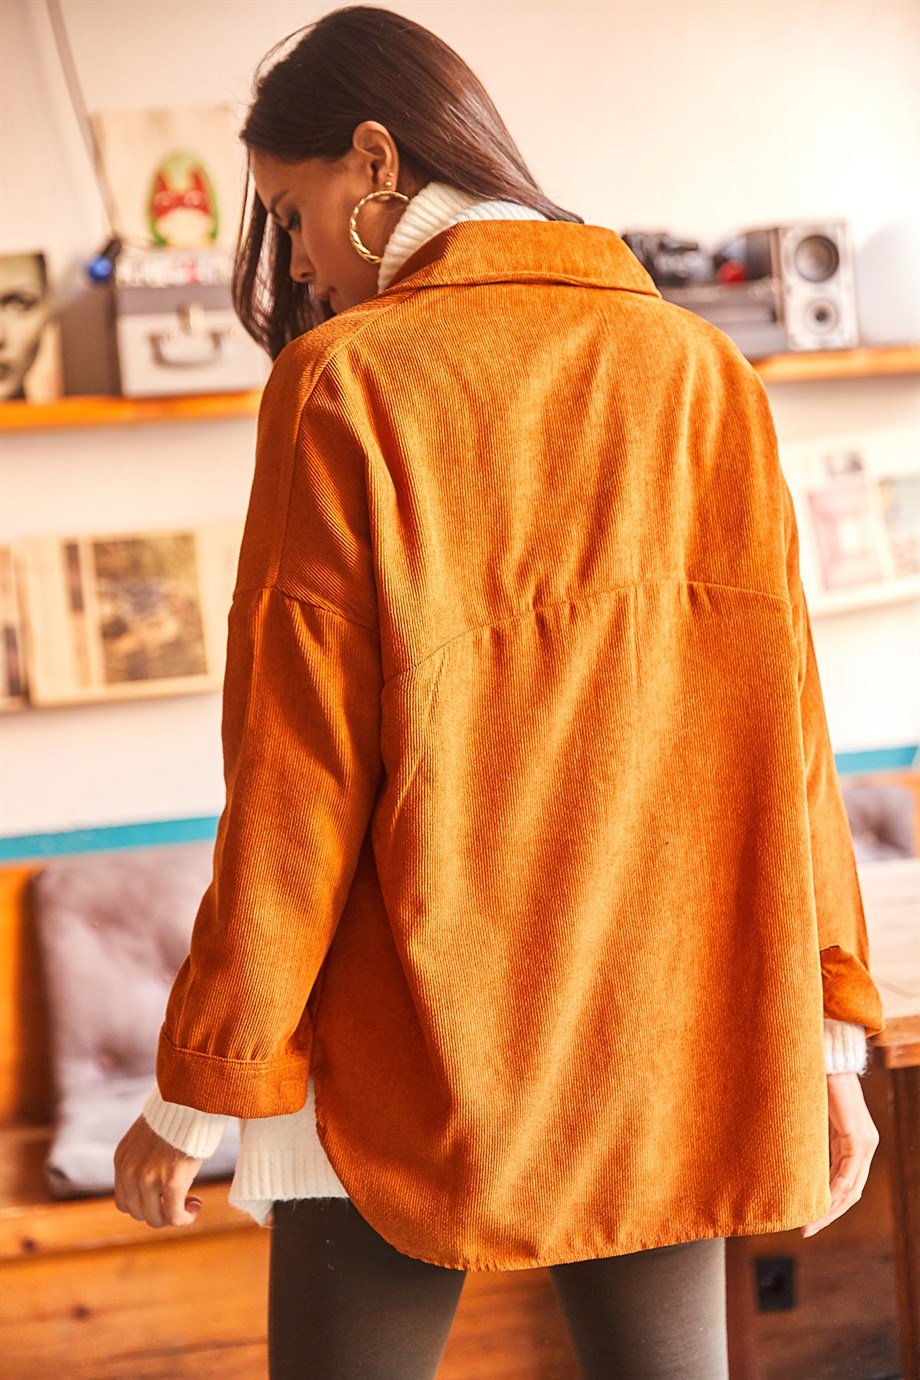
(357, 243)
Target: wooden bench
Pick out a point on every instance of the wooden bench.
(89, 1291)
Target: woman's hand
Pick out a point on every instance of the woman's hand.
(853, 1141)
(152, 1179)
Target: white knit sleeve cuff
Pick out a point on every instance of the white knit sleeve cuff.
(845, 1047)
(193, 1132)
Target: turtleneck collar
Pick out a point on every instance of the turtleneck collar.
(432, 209)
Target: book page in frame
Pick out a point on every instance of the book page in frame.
(857, 498)
(13, 683)
(128, 615)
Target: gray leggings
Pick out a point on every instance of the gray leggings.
(344, 1303)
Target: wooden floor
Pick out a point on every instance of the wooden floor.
(197, 1308)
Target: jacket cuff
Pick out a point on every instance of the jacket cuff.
(845, 1047)
(244, 1088)
(850, 993)
(193, 1132)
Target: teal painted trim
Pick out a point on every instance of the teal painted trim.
(878, 759)
(16, 847)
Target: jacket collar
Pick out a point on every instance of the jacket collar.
(507, 251)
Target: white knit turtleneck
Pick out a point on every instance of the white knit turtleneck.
(281, 1156)
(433, 208)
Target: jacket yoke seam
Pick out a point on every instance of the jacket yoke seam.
(582, 599)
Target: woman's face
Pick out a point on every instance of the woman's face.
(23, 313)
(313, 201)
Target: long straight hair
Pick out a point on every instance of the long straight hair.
(357, 63)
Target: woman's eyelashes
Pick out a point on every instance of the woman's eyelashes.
(293, 224)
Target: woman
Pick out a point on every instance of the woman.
(534, 866)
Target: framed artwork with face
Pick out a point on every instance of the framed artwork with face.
(30, 350)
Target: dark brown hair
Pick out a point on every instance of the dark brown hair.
(358, 63)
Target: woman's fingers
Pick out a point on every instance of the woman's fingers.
(150, 1200)
(173, 1205)
(152, 1179)
(848, 1177)
(854, 1139)
(133, 1197)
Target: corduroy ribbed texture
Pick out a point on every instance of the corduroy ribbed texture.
(281, 1156)
(518, 616)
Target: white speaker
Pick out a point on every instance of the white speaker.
(812, 264)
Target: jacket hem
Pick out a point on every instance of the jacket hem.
(597, 1248)
(605, 1249)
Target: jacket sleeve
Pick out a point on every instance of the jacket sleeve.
(302, 763)
(849, 992)
(301, 757)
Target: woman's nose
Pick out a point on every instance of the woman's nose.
(301, 268)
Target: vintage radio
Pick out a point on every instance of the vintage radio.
(175, 326)
(773, 289)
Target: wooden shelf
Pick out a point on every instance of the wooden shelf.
(822, 604)
(863, 363)
(101, 410)
(868, 362)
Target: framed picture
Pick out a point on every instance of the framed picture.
(13, 685)
(857, 501)
(128, 615)
(177, 174)
(30, 343)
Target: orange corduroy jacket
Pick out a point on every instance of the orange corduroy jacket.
(533, 852)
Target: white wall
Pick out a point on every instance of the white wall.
(704, 118)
